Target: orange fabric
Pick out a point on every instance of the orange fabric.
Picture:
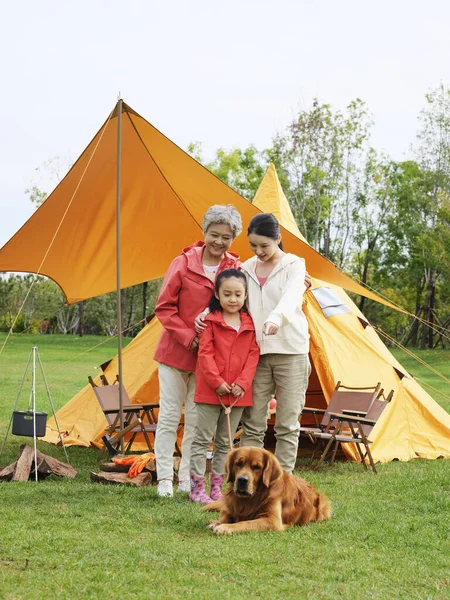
(124, 460)
(413, 425)
(270, 198)
(137, 462)
(186, 292)
(71, 238)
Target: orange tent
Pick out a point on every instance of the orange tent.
(343, 347)
(164, 195)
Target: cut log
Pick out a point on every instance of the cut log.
(23, 468)
(44, 470)
(56, 466)
(151, 465)
(111, 467)
(7, 472)
(23, 465)
(140, 480)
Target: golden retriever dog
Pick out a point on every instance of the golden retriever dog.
(260, 496)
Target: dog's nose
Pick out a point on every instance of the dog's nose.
(242, 483)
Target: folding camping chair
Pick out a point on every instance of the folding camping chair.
(360, 429)
(357, 399)
(137, 418)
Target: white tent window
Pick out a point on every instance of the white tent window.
(329, 302)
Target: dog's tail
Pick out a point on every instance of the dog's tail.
(323, 508)
(212, 506)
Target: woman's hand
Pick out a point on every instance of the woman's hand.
(223, 388)
(194, 345)
(308, 282)
(237, 391)
(199, 322)
(270, 328)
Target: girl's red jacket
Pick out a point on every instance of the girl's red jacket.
(185, 293)
(226, 355)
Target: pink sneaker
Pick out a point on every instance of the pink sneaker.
(198, 493)
(215, 489)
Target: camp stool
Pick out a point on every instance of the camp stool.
(137, 418)
(360, 429)
(358, 399)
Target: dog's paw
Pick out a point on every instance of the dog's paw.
(213, 525)
(223, 529)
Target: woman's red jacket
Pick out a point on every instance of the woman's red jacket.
(185, 293)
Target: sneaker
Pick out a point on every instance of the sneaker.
(185, 486)
(165, 488)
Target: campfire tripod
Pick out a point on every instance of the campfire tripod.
(34, 354)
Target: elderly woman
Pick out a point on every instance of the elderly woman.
(186, 290)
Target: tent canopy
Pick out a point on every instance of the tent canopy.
(71, 238)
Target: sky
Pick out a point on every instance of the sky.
(226, 74)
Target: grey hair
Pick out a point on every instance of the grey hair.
(223, 215)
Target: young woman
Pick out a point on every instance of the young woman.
(227, 360)
(276, 283)
(186, 290)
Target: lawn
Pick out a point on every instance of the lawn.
(388, 537)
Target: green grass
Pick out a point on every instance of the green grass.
(388, 537)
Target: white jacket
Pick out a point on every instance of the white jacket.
(279, 301)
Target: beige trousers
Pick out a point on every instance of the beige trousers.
(286, 375)
(212, 417)
(175, 389)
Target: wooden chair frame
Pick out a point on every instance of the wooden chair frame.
(137, 418)
(360, 429)
(358, 399)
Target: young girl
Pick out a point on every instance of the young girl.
(227, 359)
(276, 284)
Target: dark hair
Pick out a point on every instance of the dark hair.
(214, 304)
(265, 224)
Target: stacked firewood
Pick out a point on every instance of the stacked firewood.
(24, 467)
(111, 472)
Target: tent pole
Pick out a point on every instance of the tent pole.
(118, 282)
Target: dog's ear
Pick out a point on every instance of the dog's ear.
(272, 469)
(229, 467)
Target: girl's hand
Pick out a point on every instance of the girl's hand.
(270, 328)
(199, 322)
(194, 345)
(237, 391)
(223, 388)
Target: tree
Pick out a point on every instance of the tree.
(36, 195)
(370, 214)
(38, 297)
(51, 171)
(319, 160)
(242, 170)
(433, 153)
